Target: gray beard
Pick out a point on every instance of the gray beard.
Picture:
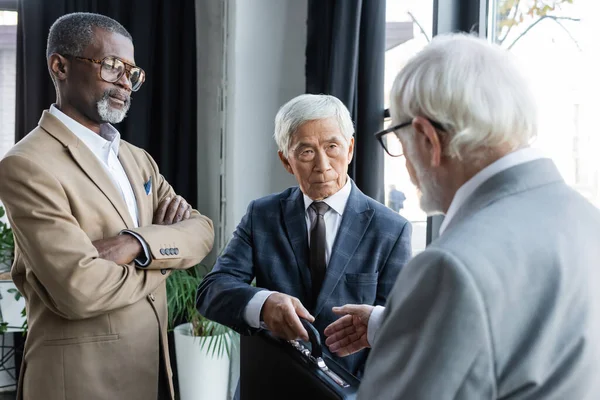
(430, 189)
(110, 114)
(430, 200)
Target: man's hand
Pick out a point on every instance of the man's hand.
(122, 249)
(348, 334)
(280, 313)
(171, 211)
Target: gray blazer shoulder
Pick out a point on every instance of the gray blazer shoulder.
(503, 304)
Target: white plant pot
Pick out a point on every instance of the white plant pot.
(10, 309)
(201, 376)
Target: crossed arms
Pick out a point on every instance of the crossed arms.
(66, 269)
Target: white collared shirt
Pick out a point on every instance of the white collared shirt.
(333, 219)
(333, 216)
(105, 147)
(510, 160)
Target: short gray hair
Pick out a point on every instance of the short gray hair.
(473, 88)
(72, 33)
(309, 107)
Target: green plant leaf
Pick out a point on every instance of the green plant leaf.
(181, 303)
(16, 293)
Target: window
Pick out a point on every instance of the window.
(555, 42)
(408, 30)
(8, 81)
(8, 77)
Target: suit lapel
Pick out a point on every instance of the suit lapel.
(137, 184)
(295, 225)
(91, 166)
(355, 221)
(88, 162)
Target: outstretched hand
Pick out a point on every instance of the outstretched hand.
(348, 334)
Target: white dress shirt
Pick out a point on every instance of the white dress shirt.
(462, 194)
(333, 219)
(105, 147)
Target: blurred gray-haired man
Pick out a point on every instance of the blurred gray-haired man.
(504, 304)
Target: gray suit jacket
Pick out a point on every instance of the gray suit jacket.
(503, 305)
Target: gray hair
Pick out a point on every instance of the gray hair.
(473, 88)
(72, 33)
(309, 107)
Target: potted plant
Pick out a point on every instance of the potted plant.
(7, 243)
(12, 310)
(202, 347)
(12, 305)
(12, 313)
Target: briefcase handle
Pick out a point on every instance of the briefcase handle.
(316, 353)
(314, 338)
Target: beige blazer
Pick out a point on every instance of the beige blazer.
(94, 326)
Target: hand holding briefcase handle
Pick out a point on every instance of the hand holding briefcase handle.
(273, 368)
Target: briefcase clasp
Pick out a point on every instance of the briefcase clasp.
(315, 354)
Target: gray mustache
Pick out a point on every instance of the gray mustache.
(117, 94)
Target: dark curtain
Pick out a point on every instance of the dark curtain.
(162, 117)
(345, 57)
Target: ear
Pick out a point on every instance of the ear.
(351, 150)
(285, 163)
(59, 66)
(428, 139)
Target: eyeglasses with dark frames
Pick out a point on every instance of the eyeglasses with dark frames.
(113, 68)
(389, 139)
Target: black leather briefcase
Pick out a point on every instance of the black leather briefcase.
(272, 368)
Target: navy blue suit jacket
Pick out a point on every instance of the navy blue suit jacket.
(271, 244)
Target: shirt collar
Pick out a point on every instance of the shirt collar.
(468, 188)
(336, 201)
(109, 137)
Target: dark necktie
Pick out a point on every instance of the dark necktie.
(318, 242)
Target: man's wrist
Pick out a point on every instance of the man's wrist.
(139, 250)
(136, 246)
(253, 311)
(261, 319)
(374, 323)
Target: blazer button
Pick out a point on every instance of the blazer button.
(169, 253)
(176, 250)
(163, 271)
(162, 251)
(152, 296)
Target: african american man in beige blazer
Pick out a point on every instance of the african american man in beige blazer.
(97, 229)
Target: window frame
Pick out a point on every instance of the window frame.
(9, 5)
(454, 16)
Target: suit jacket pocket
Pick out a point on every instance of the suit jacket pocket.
(368, 278)
(79, 340)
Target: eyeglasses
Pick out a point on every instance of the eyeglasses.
(389, 139)
(113, 68)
